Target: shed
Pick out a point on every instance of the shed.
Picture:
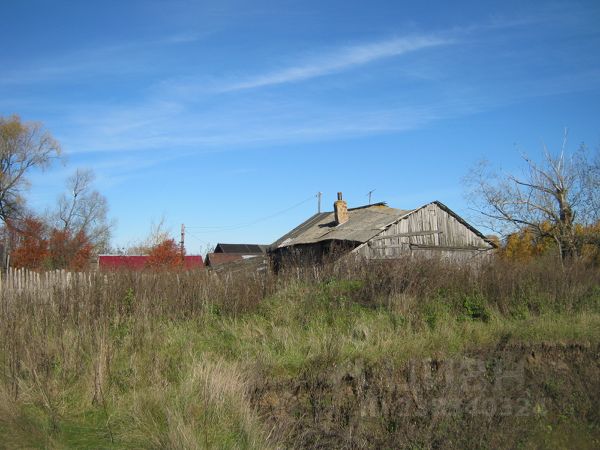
(228, 253)
(243, 249)
(217, 259)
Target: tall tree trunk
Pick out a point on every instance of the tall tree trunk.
(568, 247)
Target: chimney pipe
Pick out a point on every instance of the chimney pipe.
(340, 208)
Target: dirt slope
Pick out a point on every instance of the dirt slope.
(514, 396)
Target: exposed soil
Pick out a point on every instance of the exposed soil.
(512, 396)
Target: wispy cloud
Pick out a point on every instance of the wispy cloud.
(339, 60)
(110, 59)
(197, 121)
(182, 129)
(236, 126)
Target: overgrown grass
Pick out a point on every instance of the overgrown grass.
(168, 360)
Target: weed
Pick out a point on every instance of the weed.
(474, 307)
(167, 360)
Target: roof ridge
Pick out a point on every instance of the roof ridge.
(368, 206)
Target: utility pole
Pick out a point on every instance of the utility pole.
(319, 194)
(369, 194)
(182, 242)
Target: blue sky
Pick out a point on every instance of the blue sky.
(229, 116)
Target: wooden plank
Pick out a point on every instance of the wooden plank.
(434, 247)
(383, 247)
(399, 235)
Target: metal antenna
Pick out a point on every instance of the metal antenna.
(369, 195)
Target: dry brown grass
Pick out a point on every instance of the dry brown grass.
(166, 360)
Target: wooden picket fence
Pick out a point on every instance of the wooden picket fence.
(23, 280)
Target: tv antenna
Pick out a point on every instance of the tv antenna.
(369, 194)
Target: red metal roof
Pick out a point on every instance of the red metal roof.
(193, 262)
(138, 262)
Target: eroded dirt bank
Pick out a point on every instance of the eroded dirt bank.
(512, 396)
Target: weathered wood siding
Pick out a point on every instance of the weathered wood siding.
(430, 231)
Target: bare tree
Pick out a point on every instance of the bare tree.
(83, 210)
(549, 198)
(23, 146)
(159, 232)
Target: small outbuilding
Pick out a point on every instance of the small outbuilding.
(379, 232)
(241, 249)
(229, 253)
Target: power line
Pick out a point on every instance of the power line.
(210, 229)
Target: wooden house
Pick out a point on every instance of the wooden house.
(379, 232)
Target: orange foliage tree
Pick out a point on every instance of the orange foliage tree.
(41, 247)
(31, 251)
(81, 252)
(165, 255)
(69, 252)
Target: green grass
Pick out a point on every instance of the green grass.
(154, 381)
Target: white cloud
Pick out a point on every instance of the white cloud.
(340, 60)
(110, 59)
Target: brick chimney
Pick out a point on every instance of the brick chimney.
(340, 208)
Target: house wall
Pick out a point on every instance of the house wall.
(310, 254)
(430, 232)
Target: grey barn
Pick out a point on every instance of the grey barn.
(379, 232)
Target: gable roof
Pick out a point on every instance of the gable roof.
(215, 259)
(461, 220)
(258, 263)
(136, 262)
(246, 249)
(139, 262)
(363, 224)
